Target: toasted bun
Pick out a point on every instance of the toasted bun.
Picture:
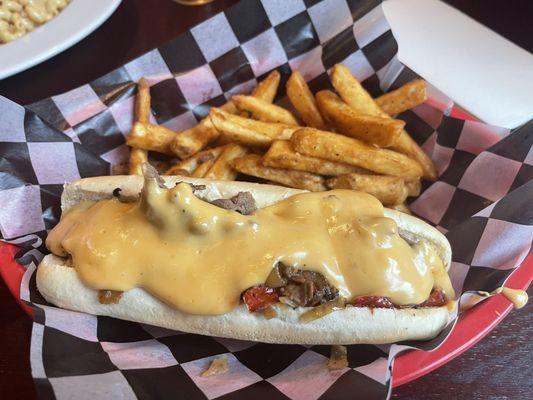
(60, 285)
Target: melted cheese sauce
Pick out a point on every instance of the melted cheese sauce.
(199, 258)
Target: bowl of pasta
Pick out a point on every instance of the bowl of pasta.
(32, 31)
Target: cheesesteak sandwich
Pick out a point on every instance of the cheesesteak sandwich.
(247, 261)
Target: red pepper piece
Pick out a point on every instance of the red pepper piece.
(259, 297)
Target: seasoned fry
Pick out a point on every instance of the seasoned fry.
(189, 165)
(358, 98)
(151, 137)
(194, 139)
(251, 164)
(237, 132)
(380, 131)
(266, 89)
(142, 101)
(413, 187)
(281, 155)
(263, 110)
(222, 169)
(351, 91)
(408, 96)
(270, 129)
(351, 151)
(137, 158)
(401, 207)
(202, 169)
(142, 114)
(390, 190)
(303, 101)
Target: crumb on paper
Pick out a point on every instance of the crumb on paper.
(218, 366)
(338, 358)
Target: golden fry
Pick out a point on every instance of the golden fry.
(188, 166)
(303, 101)
(389, 190)
(380, 131)
(251, 164)
(358, 98)
(404, 98)
(281, 155)
(137, 158)
(263, 110)
(266, 89)
(142, 102)
(351, 151)
(237, 132)
(222, 169)
(270, 129)
(413, 187)
(194, 139)
(202, 169)
(151, 137)
(142, 114)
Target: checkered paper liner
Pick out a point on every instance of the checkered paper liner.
(482, 199)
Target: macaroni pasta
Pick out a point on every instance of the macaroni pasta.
(18, 17)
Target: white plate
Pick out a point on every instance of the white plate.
(76, 21)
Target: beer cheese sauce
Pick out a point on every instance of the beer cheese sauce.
(199, 258)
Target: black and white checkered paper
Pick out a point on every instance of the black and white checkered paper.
(482, 199)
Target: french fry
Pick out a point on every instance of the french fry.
(251, 164)
(413, 187)
(266, 89)
(222, 169)
(202, 169)
(358, 98)
(189, 165)
(194, 139)
(137, 158)
(236, 132)
(281, 155)
(402, 207)
(390, 190)
(303, 101)
(142, 101)
(263, 110)
(382, 132)
(340, 148)
(151, 137)
(142, 114)
(270, 129)
(408, 96)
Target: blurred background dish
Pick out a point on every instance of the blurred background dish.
(68, 27)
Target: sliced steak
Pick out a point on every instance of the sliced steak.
(242, 202)
(305, 288)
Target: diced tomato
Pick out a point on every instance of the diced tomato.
(437, 298)
(372, 302)
(259, 297)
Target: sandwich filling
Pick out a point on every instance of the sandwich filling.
(201, 258)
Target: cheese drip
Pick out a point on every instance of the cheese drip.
(199, 258)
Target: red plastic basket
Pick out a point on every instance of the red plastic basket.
(471, 327)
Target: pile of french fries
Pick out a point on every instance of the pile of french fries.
(342, 140)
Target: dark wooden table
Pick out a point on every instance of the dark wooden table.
(499, 367)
